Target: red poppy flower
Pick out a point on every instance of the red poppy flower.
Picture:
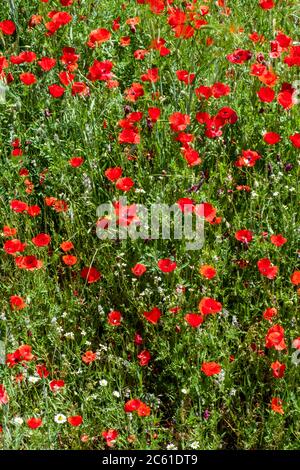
(23, 353)
(29, 262)
(18, 206)
(139, 269)
(88, 357)
(59, 205)
(66, 78)
(129, 136)
(80, 88)
(207, 211)
(113, 174)
(166, 265)
(66, 246)
(203, 92)
(28, 78)
(293, 59)
(194, 320)
(150, 76)
(225, 115)
(208, 271)
(42, 370)
(75, 420)
(153, 316)
(186, 204)
(276, 405)
(75, 162)
(266, 4)
(248, 158)
(295, 139)
(295, 278)
(144, 358)
(58, 19)
(239, 56)
(90, 274)
(132, 405)
(110, 436)
(56, 385)
(267, 269)
(266, 94)
(296, 343)
(8, 231)
(275, 338)
(56, 90)
(143, 410)
(69, 260)
(272, 138)
(209, 306)
(33, 211)
(185, 77)
(278, 369)
(278, 240)
(154, 114)
(244, 236)
(4, 398)
(34, 423)
(179, 122)
(42, 239)
(47, 63)
(114, 318)
(285, 99)
(220, 89)
(184, 31)
(14, 246)
(191, 156)
(134, 92)
(140, 54)
(17, 302)
(7, 27)
(269, 313)
(210, 368)
(100, 70)
(98, 36)
(124, 184)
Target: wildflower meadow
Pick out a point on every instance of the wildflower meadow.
(149, 191)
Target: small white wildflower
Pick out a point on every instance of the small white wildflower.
(103, 383)
(171, 447)
(60, 418)
(184, 391)
(32, 379)
(69, 335)
(220, 377)
(195, 445)
(18, 420)
(100, 310)
(116, 394)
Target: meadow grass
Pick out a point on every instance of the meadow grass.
(65, 316)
